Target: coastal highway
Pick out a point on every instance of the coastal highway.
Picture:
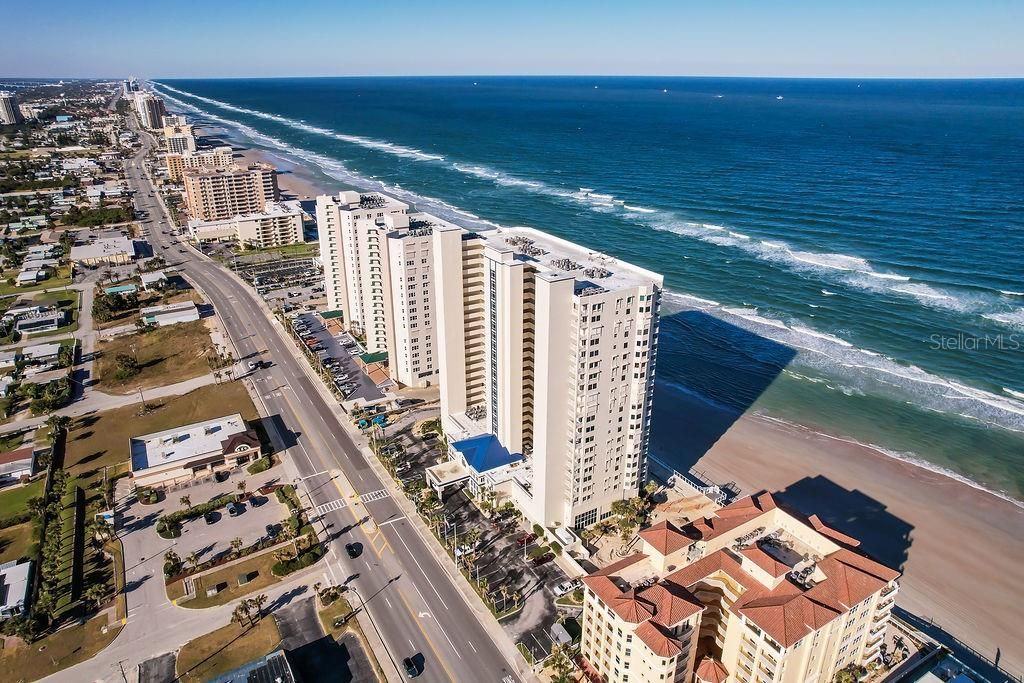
(409, 598)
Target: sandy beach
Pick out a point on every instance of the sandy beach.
(960, 548)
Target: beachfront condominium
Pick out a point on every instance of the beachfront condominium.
(546, 352)
(10, 114)
(177, 162)
(215, 193)
(150, 109)
(172, 120)
(752, 594)
(179, 138)
(279, 224)
(377, 258)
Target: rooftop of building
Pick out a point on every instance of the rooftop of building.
(164, 309)
(554, 257)
(793, 573)
(103, 248)
(485, 452)
(230, 169)
(353, 200)
(14, 583)
(273, 210)
(185, 442)
(273, 668)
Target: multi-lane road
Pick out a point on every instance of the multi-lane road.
(409, 598)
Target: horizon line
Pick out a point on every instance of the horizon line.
(527, 75)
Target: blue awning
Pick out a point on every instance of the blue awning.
(485, 452)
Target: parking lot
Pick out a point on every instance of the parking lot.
(141, 541)
(339, 361)
(502, 561)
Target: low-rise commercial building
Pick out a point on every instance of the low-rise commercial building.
(41, 323)
(178, 455)
(115, 251)
(216, 193)
(751, 593)
(16, 464)
(279, 224)
(14, 588)
(170, 314)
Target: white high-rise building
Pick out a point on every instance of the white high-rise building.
(546, 352)
(9, 111)
(150, 109)
(378, 261)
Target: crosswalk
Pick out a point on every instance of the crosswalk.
(331, 506)
(374, 495)
(341, 503)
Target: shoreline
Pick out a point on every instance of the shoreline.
(944, 535)
(930, 511)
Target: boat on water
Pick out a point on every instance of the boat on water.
(779, 97)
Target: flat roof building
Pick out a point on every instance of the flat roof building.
(192, 451)
(14, 588)
(216, 193)
(378, 269)
(280, 223)
(105, 250)
(170, 314)
(177, 162)
(550, 347)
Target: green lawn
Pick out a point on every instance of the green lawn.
(62, 278)
(211, 655)
(11, 441)
(64, 648)
(15, 542)
(165, 355)
(14, 500)
(260, 564)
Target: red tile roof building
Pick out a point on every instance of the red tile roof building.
(753, 594)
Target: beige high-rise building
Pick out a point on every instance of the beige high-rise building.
(215, 193)
(751, 594)
(179, 138)
(378, 262)
(218, 157)
(279, 224)
(546, 352)
(150, 109)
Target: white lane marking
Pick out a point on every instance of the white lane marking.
(315, 474)
(420, 567)
(389, 603)
(374, 495)
(331, 506)
(471, 645)
(390, 521)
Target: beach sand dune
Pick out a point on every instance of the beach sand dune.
(961, 549)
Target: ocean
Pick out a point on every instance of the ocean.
(843, 255)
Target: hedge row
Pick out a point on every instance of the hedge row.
(169, 526)
(301, 562)
(15, 519)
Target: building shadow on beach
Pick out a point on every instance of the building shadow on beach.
(883, 536)
(709, 373)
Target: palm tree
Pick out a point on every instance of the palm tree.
(95, 593)
(236, 545)
(257, 603)
(241, 488)
(45, 605)
(57, 424)
(241, 612)
(193, 559)
(186, 501)
(37, 506)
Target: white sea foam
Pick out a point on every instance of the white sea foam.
(638, 209)
(1008, 292)
(1015, 394)
(827, 293)
(689, 299)
(370, 143)
(1013, 318)
(834, 261)
(886, 276)
(739, 235)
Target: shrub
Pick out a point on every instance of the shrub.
(301, 562)
(260, 465)
(539, 530)
(17, 518)
(537, 551)
(556, 547)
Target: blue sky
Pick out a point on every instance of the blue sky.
(898, 38)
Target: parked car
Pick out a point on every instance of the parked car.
(211, 517)
(525, 538)
(567, 586)
(543, 559)
(234, 509)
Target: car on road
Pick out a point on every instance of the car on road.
(211, 517)
(411, 670)
(255, 364)
(353, 550)
(234, 509)
(567, 586)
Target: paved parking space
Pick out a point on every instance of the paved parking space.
(345, 363)
(138, 521)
